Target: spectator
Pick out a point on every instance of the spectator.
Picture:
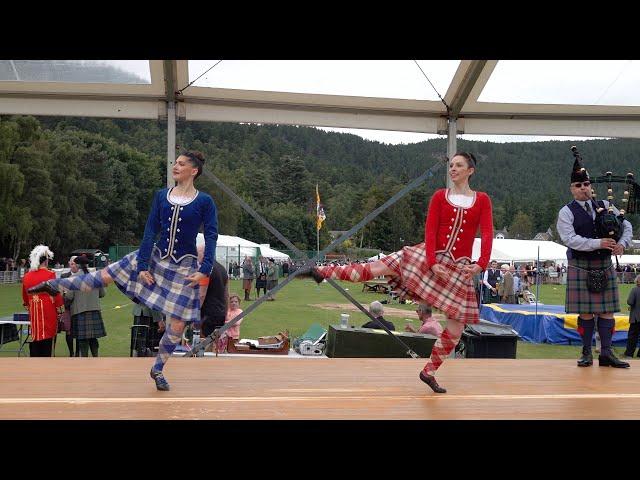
(634, 319)
(507, 292)
(66, 316)
(272, 278)
(261, 280)
(86, 320)
(248, 274)
(233, 331)
(285, 269)
(490, 282)
(376, 309)
(43, 308)
(516, 282)
(215, 297)
(429, 325)
(22, 269)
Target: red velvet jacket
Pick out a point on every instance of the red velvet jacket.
(41, 306)
(452, 229)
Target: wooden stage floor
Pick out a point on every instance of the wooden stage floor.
(319, 388)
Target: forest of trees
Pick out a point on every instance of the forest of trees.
(87, 183)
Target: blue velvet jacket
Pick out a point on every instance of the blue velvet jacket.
(177, 226)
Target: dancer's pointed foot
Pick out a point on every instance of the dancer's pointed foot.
(44, 287)
(313, 273)
(431, 381)
(161, 382)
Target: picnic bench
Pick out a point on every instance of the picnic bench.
(376, 286)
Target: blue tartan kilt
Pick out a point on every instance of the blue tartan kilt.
(579, 299)
(87, 325)
(170, 294)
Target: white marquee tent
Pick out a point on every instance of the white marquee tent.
(230, 248)
(511, 250)
(629, 260)
(268, 252)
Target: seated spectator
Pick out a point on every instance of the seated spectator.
(429, 324)
(376, 309)
(234, 331)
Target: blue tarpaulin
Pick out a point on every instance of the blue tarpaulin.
(551, 324)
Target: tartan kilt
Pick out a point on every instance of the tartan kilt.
(246, 283)
(581, 300)
(453, 295)
(87, 325)
(170, 294)
(261, 282)
(271, 284)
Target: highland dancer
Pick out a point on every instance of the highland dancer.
(438, 272)
(164, 275)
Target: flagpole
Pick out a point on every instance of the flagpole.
(317, 226)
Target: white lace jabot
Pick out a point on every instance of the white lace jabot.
(461, 200)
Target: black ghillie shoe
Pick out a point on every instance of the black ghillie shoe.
(161, 382)
(313, 273)
(431, 381)
(586, 360)
(44, 287)
(610, 360)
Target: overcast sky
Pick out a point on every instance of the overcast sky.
(592, 82)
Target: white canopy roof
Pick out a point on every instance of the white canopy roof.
(530, 97)
(247, 247)
(509, 250)
(268, 252)
(377, 257)
(629, 259)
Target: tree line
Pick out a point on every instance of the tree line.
(74, 182)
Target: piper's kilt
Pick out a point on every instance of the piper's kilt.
(454, 295)
(579, 299)
(87, 325)
(271, 284)
(246, 283)
(170, 294)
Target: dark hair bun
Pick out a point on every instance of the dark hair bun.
(82, 260)
(199, 155)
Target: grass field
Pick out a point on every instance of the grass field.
(292, 310)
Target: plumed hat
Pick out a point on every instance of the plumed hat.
(38, 253)
(579, 173)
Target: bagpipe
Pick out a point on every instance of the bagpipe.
(609, 224)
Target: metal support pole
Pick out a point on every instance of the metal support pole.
(452, 145)
(171, 140)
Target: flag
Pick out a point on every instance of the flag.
(320, 216)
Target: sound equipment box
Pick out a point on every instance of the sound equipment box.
(354, 342)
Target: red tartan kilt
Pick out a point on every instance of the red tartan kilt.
(454, 295)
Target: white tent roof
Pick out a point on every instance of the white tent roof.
(507, 249)
(247, 247)
(229, 241)
(377, 257)
(629, 259)
(267, 251)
